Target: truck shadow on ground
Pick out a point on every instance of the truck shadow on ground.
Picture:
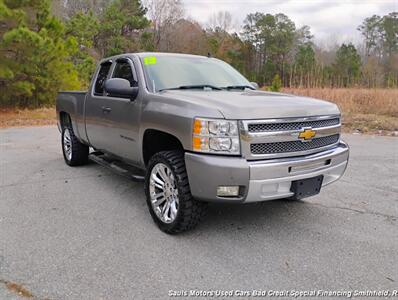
(270, 215)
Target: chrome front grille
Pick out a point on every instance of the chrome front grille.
(275, 138)
(294, 146)
(260, 127)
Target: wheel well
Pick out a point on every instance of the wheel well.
(64, 119)
(155, 141)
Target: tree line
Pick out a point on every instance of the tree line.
(51, 45)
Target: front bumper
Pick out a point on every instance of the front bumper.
(264, 179)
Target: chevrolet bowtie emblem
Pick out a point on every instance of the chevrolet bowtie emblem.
(307, 134)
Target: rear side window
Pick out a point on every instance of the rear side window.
(102, 75)
(123, 70)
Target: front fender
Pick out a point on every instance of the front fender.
(173, 117)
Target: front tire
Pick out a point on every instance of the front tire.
(168, 194)
(75, 153)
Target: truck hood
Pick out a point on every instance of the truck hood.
(255, 104)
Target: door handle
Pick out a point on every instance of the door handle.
(106, 109)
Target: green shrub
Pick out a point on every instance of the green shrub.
(276, 84)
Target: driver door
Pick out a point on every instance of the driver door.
(122, 116)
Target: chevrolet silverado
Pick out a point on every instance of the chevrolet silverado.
(196, 131)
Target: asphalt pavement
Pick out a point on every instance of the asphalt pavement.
(86, 233)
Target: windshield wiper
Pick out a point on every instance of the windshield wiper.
(198, 86)
(241, 87)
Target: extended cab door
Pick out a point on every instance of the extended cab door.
(122, 116)
(95, 109)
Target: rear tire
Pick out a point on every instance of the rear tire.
(168, 194)
(75, 153)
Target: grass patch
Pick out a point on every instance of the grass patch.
(364, 110)
(10, 117)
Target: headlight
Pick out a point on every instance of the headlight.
(216, 136)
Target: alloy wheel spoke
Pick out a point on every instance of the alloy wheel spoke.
(158, 181)
(159, 200)
(165, 210)
(169, 174)
(173, 209)
(163, 174)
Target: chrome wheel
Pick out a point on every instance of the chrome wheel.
(67, 144)
(163, 193)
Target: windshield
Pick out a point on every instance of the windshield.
(170, 72)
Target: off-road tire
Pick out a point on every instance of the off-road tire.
(190, 211)
(79, 151)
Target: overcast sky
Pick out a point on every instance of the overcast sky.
(330, 21)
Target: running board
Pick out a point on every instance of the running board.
(117, 166)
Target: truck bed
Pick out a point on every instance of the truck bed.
(72, 102)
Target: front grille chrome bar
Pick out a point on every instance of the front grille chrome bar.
(295, 146)
(271, 127)
(284, 140)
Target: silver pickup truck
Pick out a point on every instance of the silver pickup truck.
(196, 131)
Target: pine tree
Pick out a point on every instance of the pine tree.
(84, 27)
(119, 27)
(347, 65)
(35, 58)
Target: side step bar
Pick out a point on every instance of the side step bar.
(117, 166)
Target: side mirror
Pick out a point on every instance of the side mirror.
(255, 85)
(119, 87)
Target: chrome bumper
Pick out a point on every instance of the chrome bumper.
(272, 179)
(261, 180)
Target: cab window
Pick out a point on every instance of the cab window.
(102, 76)
(123, 70)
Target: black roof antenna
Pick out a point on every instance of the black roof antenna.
(208, 54)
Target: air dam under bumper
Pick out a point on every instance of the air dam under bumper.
(261, 180)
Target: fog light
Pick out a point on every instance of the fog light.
(228, 191)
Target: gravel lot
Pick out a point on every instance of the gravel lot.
(85, 233)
